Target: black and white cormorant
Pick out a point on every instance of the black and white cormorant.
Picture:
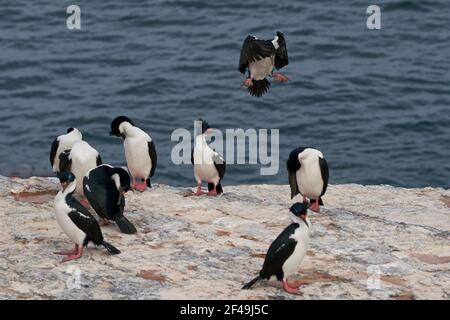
(260, 57)
(62, 143)
(76, 221)
(140, 151)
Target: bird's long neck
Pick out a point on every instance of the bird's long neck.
(128, 129)
(275, 42)
(70, 189)
(200, 140)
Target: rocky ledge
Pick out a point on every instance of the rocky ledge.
(369, 242)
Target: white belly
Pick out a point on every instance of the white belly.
(138, 158)
(292, 264)
(309, 180)
(204, 168)
(261, 68)
(65, 223)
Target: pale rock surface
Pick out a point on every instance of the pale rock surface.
(369, 242)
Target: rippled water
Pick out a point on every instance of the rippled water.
(377, 103)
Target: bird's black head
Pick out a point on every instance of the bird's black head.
(299, 208)
(70, 130)
(124, 178)
(66, 177)
(205, 125)
(116, 123)
(281, 39)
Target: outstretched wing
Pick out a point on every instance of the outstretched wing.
(53, 150)
(279, 251)
(220, 165)
(65, 164)
(293, 165)
(84, 220)
(281, 54)
(325, 174)
(153, 157)
(254, 49)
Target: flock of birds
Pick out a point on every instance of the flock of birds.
(87, 182)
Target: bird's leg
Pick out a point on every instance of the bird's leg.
(75, 255)
(288, 288)
(280, 77)
(199, 189)
(68, 253)
(84, 202)
(247, 82)
(315, 206)
(103, 222)
(213, 192)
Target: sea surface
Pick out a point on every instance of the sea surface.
(375, 102)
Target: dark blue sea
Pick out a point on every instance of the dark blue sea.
(375, 102)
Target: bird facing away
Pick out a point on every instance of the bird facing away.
(104, 188)
(259, 58)
(308, 175)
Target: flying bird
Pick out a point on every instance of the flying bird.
(259, 58)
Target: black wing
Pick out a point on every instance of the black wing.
(325, 174)
(253, 50)
(281, 54)
(65, 164)
(279, 251)
(293, 165)
(53, 150)
(153, 157)
(84, 220)
(220, 165)
(99, 160)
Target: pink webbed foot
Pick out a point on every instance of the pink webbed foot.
(74, 256)
(140, 186)
(213, 193)
(280, 77)
(288, 288)
(247, 82)
(199, 191)
(315, 206)
(103, 222)
(68, 252)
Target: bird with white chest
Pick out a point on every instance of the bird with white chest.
(209, 166)
(308, 175)
(76, 221)
(260, 57)
(287, 251)
(140, 151)
(62, 143)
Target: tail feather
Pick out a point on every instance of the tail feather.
(125, 225)
(259, 87)
(149, 184)
(111, 249)
(320, 202)
(251, 283)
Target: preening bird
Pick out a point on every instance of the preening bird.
(62, 143)
(76, 221)
(308, 175)
(140, 151)
(209, 166)
(260, 57)
(104, 188)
